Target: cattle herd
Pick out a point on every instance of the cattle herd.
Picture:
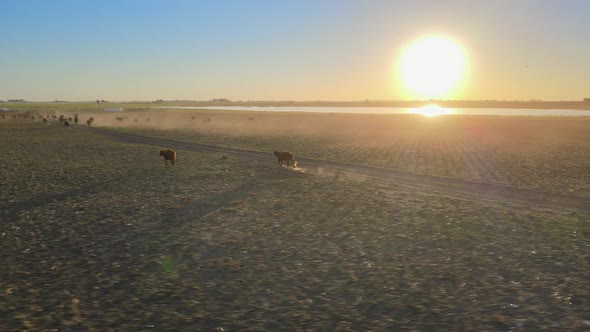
(44, 117)
(169, 155)
(289, 157)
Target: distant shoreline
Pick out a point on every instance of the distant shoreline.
(564, 105)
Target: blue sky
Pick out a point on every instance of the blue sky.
(284, 50)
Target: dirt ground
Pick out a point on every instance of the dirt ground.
(532, 198)
(551, 154)
(99, 234)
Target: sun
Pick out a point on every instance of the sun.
(432, 68)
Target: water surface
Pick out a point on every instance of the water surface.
(395, 110)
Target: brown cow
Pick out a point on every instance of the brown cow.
(283, 155)
(168, 155)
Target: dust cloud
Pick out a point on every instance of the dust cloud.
(243, 123)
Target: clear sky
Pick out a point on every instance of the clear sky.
(285, 50)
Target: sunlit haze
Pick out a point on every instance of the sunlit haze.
(295, 50)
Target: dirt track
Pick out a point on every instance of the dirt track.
(454, 186)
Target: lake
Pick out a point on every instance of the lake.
(429, 111)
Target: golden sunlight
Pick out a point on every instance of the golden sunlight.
(432, 110)
(432, 68)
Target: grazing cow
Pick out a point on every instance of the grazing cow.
(168, 155)
(89, 123)
(66, 123)
(283, 155)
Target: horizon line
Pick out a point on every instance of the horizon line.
(57, 101)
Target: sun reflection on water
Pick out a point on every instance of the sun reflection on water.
(432, 110)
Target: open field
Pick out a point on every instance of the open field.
(529, 198)
(97, 234)
(549, 154)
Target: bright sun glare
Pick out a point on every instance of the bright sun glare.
(432, 67)
(432, 110)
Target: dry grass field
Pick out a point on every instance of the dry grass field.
(99, 235)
